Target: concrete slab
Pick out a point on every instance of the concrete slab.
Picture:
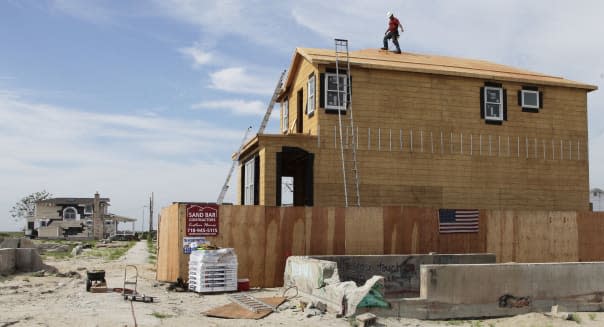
(9, 243)
(27, 260)
(487, 283)
(495, 290)
(401, 272)
(7, 261)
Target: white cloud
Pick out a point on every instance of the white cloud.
(238, 107)
(267, 23)
(125, 157)
(199, 56)
(238, 80)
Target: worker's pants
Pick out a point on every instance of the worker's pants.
(394, 36)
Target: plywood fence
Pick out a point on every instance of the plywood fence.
(263, 237)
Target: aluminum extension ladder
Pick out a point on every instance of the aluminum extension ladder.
(348, 155)
(249, 302)
(225, 187)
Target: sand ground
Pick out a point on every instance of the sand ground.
(26, 300)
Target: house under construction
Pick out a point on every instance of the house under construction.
(374, 128)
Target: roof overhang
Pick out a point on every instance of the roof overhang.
(262, 140)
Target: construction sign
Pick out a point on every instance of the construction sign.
(202, 220)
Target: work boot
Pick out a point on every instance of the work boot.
(384, 48)
(397, 51)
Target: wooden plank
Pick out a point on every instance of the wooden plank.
(394, 230)
(364, 230)
(235, 311)
(339, 238)
(423, 232)
(274, 251)
(319, 232)
(243, 228)
(544, 236)
(590, 226)
(500, 234)
(285, 236)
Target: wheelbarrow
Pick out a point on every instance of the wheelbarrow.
(95, 278)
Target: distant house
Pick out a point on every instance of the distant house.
(428, 131)
(73, 218)
(596, 199)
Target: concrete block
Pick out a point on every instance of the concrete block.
(401, 272)
(27, 243)
(487, 283)
(27, 260)
(319, 280)
(7, 261)
(10, 243)
(309, 274)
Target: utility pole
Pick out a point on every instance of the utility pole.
(151, 213)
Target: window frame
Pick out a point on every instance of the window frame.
(342, 106)
(311, 102)
(248, 184)
(70, 210)
(529, 106)
(285, 115)
(486, 102)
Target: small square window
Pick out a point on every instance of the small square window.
(493, 103)
(336, 98)
(529, 99)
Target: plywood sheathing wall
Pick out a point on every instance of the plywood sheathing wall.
(263, 237)
(169, 238)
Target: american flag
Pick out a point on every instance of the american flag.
(458, 221)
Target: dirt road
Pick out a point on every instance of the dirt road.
(26, 300)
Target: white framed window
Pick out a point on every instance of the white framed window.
(493, 103)
(310, 98)
(529, 99)
(88, 209)
(69, 213)
(332, 92)
(285, 111)
(248, 181)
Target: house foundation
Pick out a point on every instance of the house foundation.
(465, 287)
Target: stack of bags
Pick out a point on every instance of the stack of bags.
(213, 270)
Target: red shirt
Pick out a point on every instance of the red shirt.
(393, 24)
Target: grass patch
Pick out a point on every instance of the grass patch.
(455, 322)
(574, 317)
(160, 315)
(152, 248)
(58, 254)
(110, 253)
(12, 234)
(592, 316)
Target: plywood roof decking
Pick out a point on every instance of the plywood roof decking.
(431, 64)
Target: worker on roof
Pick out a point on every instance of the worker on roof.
(392, 32)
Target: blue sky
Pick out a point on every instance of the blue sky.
(130, 97)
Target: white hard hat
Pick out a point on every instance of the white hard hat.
(389, 14)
